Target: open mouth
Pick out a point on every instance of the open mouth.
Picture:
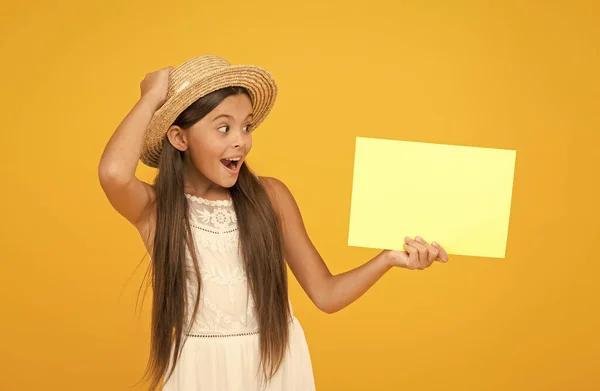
(232, 164)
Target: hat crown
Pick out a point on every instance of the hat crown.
(193, 71)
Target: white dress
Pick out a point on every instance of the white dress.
(221, 352)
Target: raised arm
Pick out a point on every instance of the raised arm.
(116, 171)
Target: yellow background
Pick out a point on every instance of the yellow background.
(519, 75)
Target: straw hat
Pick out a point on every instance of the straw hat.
(196, 78)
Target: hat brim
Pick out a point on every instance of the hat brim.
(258, 82)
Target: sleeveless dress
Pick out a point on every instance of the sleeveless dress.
(221, 352)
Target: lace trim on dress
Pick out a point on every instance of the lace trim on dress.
(204, 201)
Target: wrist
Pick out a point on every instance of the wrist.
(394, 258)
(387, 259)
(152, 102)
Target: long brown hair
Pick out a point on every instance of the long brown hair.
(260, 239)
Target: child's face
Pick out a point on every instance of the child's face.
(224, 133)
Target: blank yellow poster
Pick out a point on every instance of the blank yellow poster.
(459, 196)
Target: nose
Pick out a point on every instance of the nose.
(239, 140)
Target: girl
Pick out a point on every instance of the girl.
(220, 236)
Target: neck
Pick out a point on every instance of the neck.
(198, 185)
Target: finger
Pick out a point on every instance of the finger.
(443, 255)
(413, 256)
(432, 252)
(414, 243)
(423, 257)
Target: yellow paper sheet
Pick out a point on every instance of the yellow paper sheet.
(458, 196)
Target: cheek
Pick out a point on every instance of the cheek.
(203, 152)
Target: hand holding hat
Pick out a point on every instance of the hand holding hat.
(155, 86)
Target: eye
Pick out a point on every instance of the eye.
(248, 128)
(223, 129)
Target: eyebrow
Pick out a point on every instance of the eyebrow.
(229, 117)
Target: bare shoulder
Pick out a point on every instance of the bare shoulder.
(280, 195)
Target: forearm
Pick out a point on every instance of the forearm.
(121, 154)
(345, 288)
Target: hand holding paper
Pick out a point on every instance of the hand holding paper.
(418, 254)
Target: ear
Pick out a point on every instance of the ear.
(178, 138)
